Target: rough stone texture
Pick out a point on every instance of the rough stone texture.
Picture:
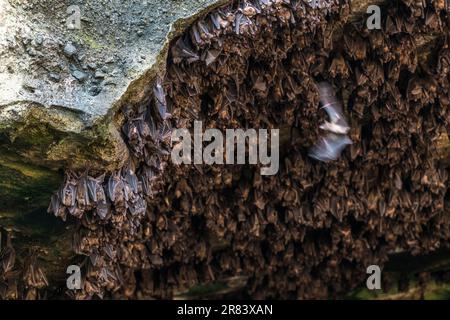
(65, 84)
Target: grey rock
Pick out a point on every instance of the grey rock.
(80, 75)
(32, 52)
(54, 77)
(99, 74)
(70, 50)
(30, 86)
(95, 90)
(39, 40)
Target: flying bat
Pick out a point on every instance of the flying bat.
(330, 146)
(333, 108)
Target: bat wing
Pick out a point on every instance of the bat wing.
(331, 105)
(329, 148)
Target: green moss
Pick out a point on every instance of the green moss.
(25, 191)
(23, 186)
(88, 40)
(366, 294)
(433, 291)
(207, 289)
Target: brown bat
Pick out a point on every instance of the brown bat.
(7, 255)
(34, 276)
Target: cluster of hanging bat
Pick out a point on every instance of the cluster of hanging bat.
(19, 283)
(315, 221)
(82, 193)
(122, 189)
(127, 188)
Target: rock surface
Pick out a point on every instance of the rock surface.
(63, 81)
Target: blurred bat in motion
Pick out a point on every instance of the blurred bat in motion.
(330, 147)
(333, 108)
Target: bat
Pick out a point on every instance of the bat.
(333, 108)
(330, 146)
(183, 51)
(132, 180)
(7, 255)
(160, 97)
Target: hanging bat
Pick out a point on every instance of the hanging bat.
(160, 97)
(7, 255)
(182, 51)
(131, 180)
(33, 275)
(68, 192)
